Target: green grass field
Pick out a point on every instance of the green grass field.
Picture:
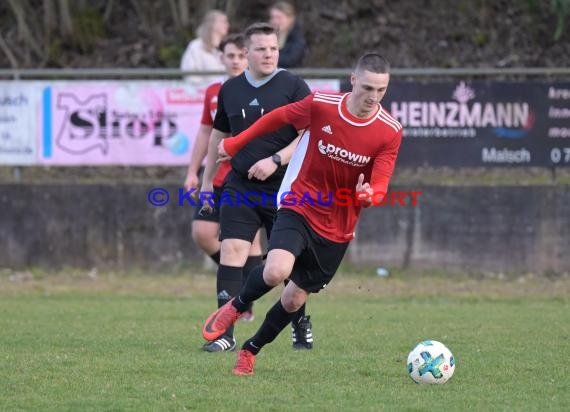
(125, 342)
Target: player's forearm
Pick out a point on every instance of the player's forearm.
(272, 121)
(200, 149)
(379, 184)
(384, 167)
(287, 152)
(211, 164)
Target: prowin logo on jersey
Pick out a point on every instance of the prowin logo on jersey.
(342, 155)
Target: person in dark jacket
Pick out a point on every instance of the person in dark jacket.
(292, 44)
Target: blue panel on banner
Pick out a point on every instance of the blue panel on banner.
(46, 102)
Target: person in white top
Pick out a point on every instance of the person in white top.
(202, 53)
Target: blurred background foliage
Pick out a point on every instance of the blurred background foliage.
(412, 33)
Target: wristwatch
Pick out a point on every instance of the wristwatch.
(276, 159)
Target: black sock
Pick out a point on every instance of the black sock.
(275, 321)
(254, 288)
(251, 263)
(228, 285)
(216, 257)
(300, 314)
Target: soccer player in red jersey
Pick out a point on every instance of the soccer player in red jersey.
(349, 147)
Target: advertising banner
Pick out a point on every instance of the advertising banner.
(466, 124)
(123, 123)
(118, 123)
(18, 121)
(452, 123)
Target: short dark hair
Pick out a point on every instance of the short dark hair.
(236, 39)
(373, 62)
(259, 28)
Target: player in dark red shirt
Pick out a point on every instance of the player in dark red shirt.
(343, 163)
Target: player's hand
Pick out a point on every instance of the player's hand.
(363, 192)
(191, 181)
(262, 169)
(206, 192)
(222, 154)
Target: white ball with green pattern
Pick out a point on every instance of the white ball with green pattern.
(431, 362)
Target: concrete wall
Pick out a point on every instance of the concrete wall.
(503, 228)
(91, 225)
(507, 228)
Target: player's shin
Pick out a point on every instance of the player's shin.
(254, 288)
(228, 285)
(275, 321)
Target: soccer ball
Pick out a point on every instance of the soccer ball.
(430, 362)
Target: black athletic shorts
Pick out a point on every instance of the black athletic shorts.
(214, 216)
(245, 206)
(318, 258)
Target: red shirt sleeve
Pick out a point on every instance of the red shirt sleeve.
(384, 164)
(297, 114)
(207, 119)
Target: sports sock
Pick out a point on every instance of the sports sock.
(275, 321)
(251, 263)
(254, 288)
(300, 314)
(216, 257)
(228, 285)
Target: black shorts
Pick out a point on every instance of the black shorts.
(318, 258)
(245, 207)
(215, 215)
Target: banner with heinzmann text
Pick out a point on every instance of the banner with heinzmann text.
(482, 123)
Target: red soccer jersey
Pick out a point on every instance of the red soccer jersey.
(334, 150)
(208, 115)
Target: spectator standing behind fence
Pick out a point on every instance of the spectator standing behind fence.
(202, 53)
(292, 43)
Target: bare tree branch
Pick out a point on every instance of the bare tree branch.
(140, 12)
(184, 13)
(11, 58)
(65, 20)
(24, 31)
(50, 21)
(108, 11)
(232, 8)
(175, 14)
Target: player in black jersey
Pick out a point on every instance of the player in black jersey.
(258, 169)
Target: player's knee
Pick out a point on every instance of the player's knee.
(234, 252)
(274, 274)
(292, 303)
